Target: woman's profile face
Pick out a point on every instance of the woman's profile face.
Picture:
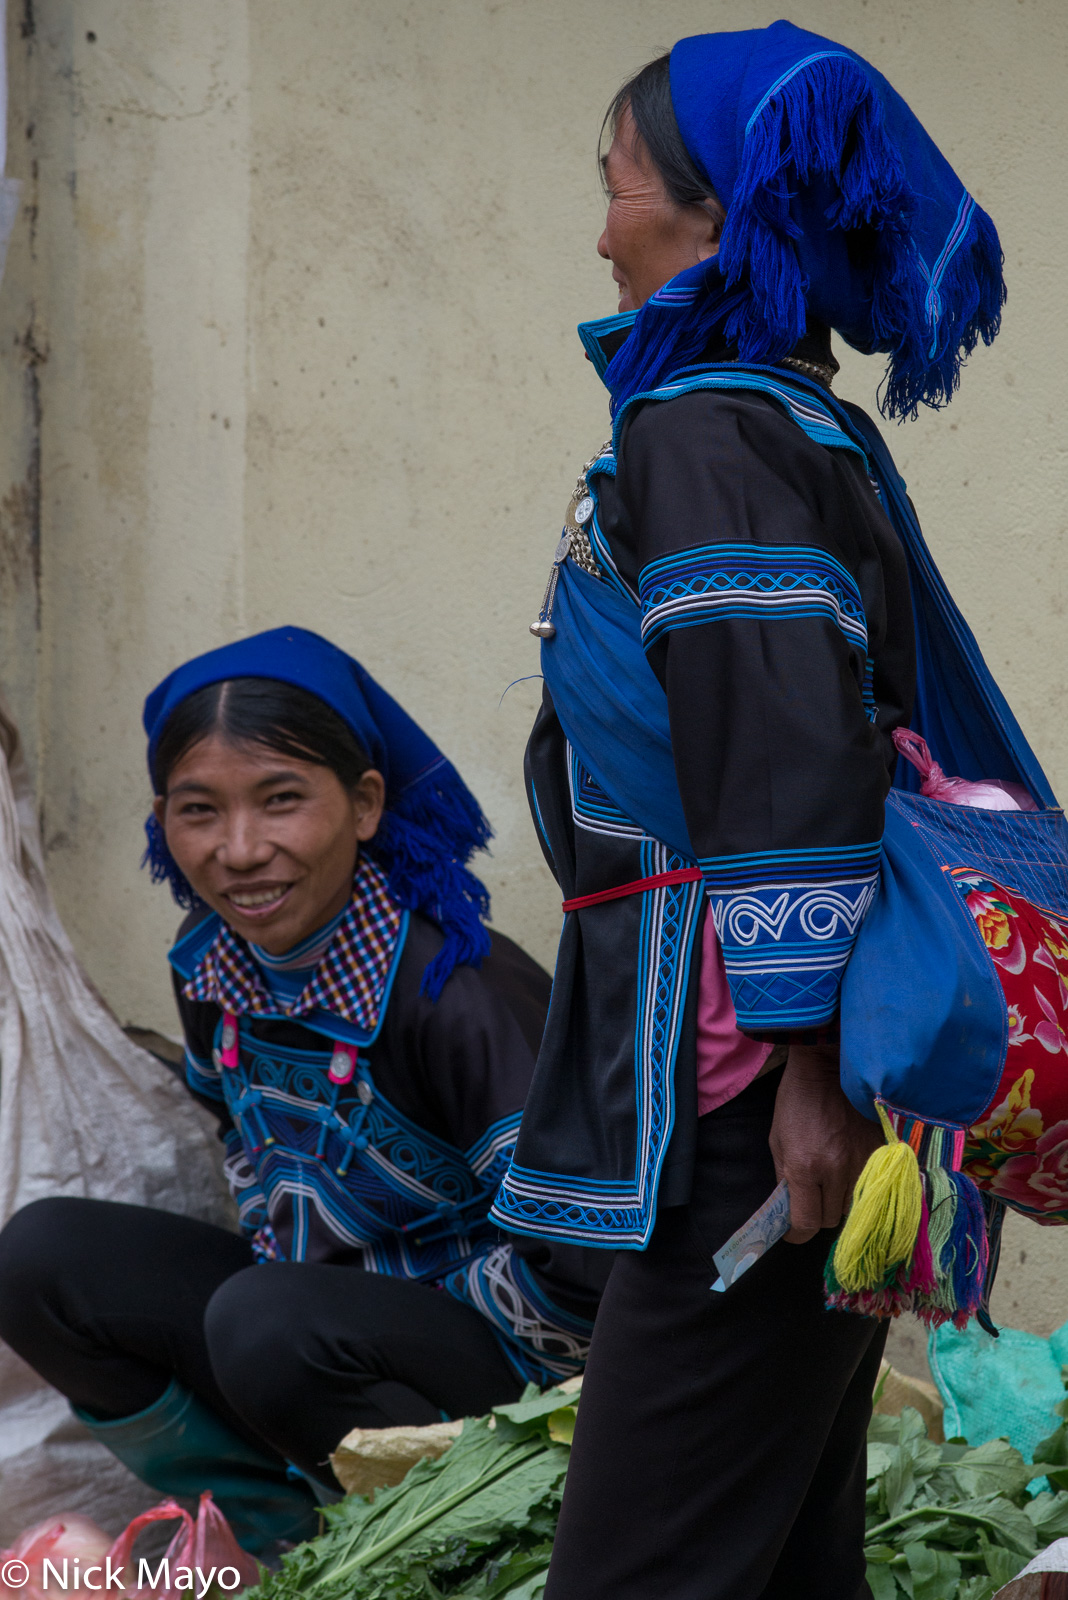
(268, 842)
(648, 237)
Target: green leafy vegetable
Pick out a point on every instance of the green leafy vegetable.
(944, 1521)
(948, 1522)
(478, 1521)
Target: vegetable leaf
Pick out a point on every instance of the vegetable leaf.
(882, 1583)
(1049, 1515)
(444, 1515)
(934, 1573)
(993, 1468)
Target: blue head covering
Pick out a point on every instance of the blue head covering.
(839, 208)
(432, 822)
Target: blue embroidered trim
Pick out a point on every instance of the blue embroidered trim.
(247, 1195)
(374, 1178)
(787, 936)
(616, 1216)
(202, 1076)
(770, 866)
(495, 1146)
(541, 824)
(593, 809)
(867, 690)
(591, 334)
(807, 410)
(723, 581)
(604, 466)
(602, 552)
(540, 1341)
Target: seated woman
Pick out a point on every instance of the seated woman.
(367, 1046)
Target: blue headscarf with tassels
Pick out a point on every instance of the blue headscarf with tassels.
(432, 822)
(840, 208)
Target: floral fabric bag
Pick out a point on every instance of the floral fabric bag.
(1018, 1150)
(955, 1024)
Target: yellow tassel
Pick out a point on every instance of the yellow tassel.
(884, 1219)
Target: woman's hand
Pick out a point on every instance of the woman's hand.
(819, 1142)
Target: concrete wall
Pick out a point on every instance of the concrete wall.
(289, 331)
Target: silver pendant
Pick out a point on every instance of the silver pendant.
(575, 543)
(543, 628)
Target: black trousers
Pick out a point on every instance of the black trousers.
(109, 1303)
(720, 1446)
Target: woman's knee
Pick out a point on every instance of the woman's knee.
(34, 1247)
(255, 1338)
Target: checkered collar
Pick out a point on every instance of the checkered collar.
(350, 981)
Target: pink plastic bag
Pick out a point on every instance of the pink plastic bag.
(989, 794)
(71, 1543)
(206, 1548)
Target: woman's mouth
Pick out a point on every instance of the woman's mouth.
(259, 902)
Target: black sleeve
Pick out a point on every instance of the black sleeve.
(476, 1049)
(751, 545)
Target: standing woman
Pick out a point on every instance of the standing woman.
(367, 1046)
(727, 648)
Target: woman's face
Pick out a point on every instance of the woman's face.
(270, 843)
(647, 236)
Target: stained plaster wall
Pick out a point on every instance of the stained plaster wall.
(288, 322)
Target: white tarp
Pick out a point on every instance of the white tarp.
(83, 1111)
(1027, 1585)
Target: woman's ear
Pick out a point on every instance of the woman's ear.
(369, 802)
(159, 806)
(709, 222)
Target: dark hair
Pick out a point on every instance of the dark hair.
(647, 96)
(262, 711)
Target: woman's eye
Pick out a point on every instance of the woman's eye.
(195, 808)
(285, 797)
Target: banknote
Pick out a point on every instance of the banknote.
(753, 1239)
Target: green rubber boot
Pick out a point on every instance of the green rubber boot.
(181, 1446)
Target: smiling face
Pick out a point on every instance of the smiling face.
(267, 841)
(648, 236)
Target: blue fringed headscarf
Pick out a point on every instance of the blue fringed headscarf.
(432, 822)
(839, 208)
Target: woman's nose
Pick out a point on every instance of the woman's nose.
(602, 246)
(245, 846)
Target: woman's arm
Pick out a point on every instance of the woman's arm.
(753, 619)
(754, 623)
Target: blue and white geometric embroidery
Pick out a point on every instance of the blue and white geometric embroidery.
(721, 582)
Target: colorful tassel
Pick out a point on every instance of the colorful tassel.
(880, 1232)
(916, 1235)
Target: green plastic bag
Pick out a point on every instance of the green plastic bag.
(1004, 1387)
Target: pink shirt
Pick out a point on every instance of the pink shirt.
(726, 1060)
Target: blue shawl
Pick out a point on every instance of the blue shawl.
(840, 208)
